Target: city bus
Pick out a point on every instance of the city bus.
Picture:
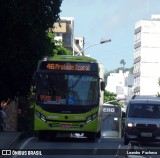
(68, 96)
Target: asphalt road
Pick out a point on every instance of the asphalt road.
(81, 148)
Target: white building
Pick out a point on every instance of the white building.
(147, 56)
(121, 84)
(78, 44)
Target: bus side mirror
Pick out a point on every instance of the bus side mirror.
(103, 85)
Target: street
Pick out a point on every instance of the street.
(80, 147)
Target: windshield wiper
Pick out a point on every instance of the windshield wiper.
(76, 82)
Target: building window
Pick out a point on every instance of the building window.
(57, 34)
(136, 67)
(67, 38)
(137, 80)
(137, 52)
(77, 42)
(137, 37)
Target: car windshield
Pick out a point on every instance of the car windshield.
(67, 89)
(144, 110)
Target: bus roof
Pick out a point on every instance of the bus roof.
(70, 58)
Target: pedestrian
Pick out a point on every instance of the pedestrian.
(1, 110)
(4, 105)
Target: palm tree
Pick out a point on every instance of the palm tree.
(123, 63)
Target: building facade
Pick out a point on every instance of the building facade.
(147, 56)
(78, 45)
(64, 32)
(121, 83)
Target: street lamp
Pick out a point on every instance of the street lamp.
(101, 42)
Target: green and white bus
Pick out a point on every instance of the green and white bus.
(69, 96)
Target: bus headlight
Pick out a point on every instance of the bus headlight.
(41, 116)
(90, 118)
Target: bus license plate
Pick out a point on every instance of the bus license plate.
(65, 125)
(146, 134)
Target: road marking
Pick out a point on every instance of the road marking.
(95, 150)
(99, 140)
(23, 146)
(26, 142)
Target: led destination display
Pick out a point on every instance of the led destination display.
(66, 66)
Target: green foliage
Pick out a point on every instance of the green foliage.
(25, 114)
(24, 41)
(122, 62)
(108, 96)
(58, 48)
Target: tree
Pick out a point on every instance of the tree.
(58, 48)
(122, 62)
(108, 96)
(24, 41)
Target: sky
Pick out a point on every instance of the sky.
(109, 19)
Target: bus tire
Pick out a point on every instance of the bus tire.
(98, 134)
(91, 136)
(41, 135)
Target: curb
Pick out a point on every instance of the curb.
(13, 143)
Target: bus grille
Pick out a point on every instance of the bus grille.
(58, 125)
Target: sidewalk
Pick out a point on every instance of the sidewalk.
(8, 140)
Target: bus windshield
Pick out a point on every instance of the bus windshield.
(70, 90)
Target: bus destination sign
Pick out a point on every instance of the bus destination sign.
(71, 67)
(65, 66)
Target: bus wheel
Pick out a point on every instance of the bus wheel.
(41, 135)
(98, 134)
(91, 136)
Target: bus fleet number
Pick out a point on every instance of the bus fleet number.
(108, 110)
